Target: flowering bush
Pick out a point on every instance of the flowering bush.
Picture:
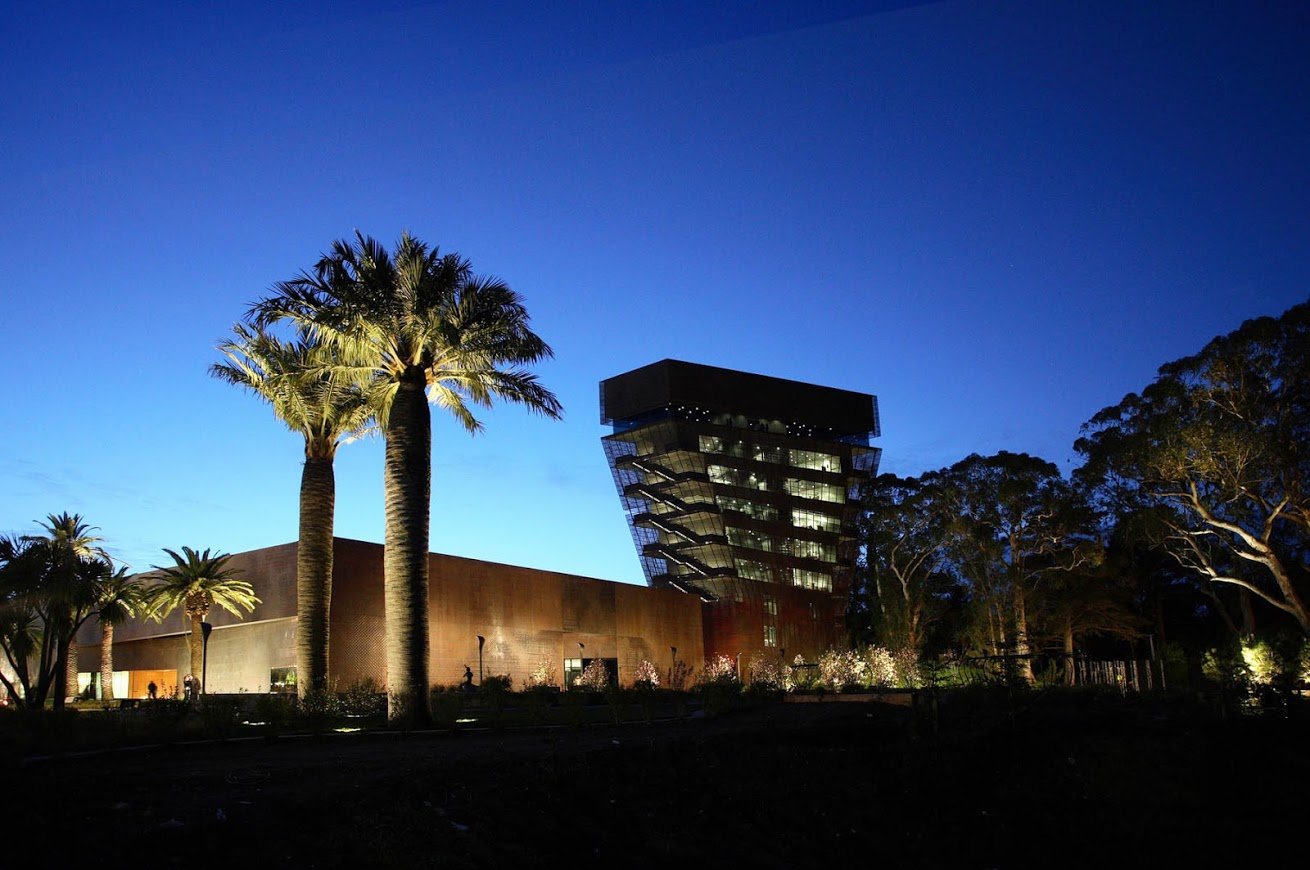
(543, 675)
(595, 677)
(906, 663)
(872, 667)
(647, 676)
(798, 676)
(881, 666)
(765, 673)
(720, 669)
(840, 669)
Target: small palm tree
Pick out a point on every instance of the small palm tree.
(296, 380)
(195, 582)
(122, 597)
(423, 328)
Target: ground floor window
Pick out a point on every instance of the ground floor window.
(572, 672)
(88, 685)
(282, 681)
(128, 684)
(575, 668)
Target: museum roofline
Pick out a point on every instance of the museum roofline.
(673, 384)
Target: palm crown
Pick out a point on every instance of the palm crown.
(69, 533)
(122, 596)
(195, 582)
(295, 378)
(417, 314)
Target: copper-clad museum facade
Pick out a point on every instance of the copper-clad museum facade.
(741, 493)
(525, 615)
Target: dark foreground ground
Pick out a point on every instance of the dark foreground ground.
(988, 782)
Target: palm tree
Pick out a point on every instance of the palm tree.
(69, 532)
(195, 582)
(72, 546)
(425, 329)
(294, 378)
(122, 597)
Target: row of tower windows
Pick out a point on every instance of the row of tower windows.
(751, 570)
(794, 457)
(811, 489)
(754, 540)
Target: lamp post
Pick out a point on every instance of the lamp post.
(205, 629)
(481, 641)
(581, 647)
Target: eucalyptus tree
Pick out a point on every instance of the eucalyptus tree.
(905, 527)
(297, 380)
(1218, 449)
(1016, 522)
(1091, 600)
(197, 581)
(426, 329)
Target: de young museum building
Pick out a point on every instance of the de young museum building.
(741, 492)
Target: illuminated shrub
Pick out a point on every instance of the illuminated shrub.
(543, 675)
(720, 669)
(908, 675)
(800, 675)
(1259, 659)
(1282, 662)
(880, 672)
(765, 673)
(842, 669)
(595, 677)
(646, 676)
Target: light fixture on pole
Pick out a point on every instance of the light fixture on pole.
(481, 641)
(205, 629)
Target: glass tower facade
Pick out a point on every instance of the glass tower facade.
(743, 489)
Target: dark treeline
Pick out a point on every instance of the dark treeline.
(1186, 530)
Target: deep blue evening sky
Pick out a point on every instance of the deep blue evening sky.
(999, 217)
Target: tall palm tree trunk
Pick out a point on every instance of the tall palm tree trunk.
(408, 491)
(314, 574)
(106, 661)
(197, 648)
(70, 673)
